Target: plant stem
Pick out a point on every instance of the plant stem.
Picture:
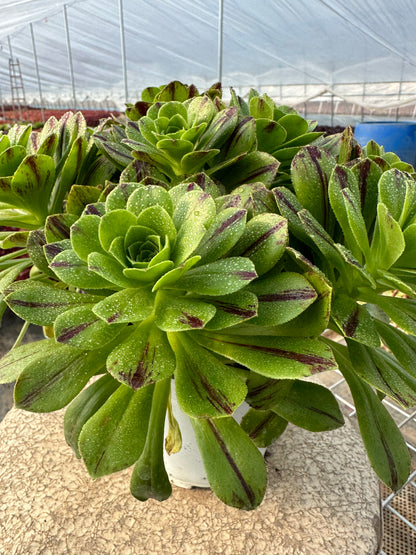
(21, 335)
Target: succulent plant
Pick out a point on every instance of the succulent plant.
(152, 285)
(179, 133)
(37, 170)
(354, 215)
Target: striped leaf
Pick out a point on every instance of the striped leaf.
(129, 305)
(52, 380)
(143, 358)
(218, 278)
(386, 448)
(232, 309)
(114, 436)
(205, 387)
(84, 406)
(273, 357)
(42, 304)
(235, 468)
(81, 328)
(16, 360)
(182, 313)
(72, 270)
(354, 320)
(263, 426)
(264, 240)
(281, 297)
(307, 405)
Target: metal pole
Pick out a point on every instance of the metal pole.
(68, 45)
(220, 34)
(123, 50)
(35, 56)
(10, 47)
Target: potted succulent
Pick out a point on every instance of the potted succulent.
(182, 248)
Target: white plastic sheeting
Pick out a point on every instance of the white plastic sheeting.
(364, 52)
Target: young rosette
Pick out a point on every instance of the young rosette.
(155, 285)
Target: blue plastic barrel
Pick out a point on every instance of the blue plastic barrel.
(396, 136)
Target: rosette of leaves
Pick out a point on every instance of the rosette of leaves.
(37, 170)
(180, 133)
(354, 216)
(152, 285)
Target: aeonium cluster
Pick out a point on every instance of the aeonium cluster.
(149, 285)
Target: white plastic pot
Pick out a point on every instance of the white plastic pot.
(186, 469)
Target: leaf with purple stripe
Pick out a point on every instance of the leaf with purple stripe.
(384, 442)
(52, 380)
(182, 313)
(218, 278)
(281, 297)
(232, 309)
(223, 233)
(42, 304)
(235, 468)
(57, 227)
(73, 271)
(354, 320)
(114, 437)
(306, 404)
(129, 305)
(205, 387)
(143, 358)
(273, 357)
(263, 426)
(264, 240)
(81, 328)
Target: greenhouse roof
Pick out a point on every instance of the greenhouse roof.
(108, 50)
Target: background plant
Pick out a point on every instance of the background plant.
(354, 212)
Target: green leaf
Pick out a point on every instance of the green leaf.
(73, 271)
(158, 219)
(196, 160)
(235, 468)
(270, 134)
(10, 160)
(194, 203)
(201, 109)
(254, 167)
(392, 188)
(307, 405)
(345, 202)
(205, 387)
(367, 174)
(289, 207)
(261, 107)
(114, 224)
(149, 478)
(407, 258)
(84, 406)
(294, 124)
(224, 231)
(383, 441)
(219, 130)
(388, 241)
(189, 236)
(218, 278)
(402, 311)
(354, 320)
(51, 381)
(381, 370)
(143, 197)
(402, 345)
(80, 327)
(232, 309)
(69, 172)
(242, 139)
(79, 197)
(84, 236)
(264, 240)
(273, 357)
(129, 305)
(16, 360)
(33, 182)
(42, 304)
(114, 437)
(311, 171)
(143, 358)
(281, 297)
(263, 426)
(182, 313)
(171, 276)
